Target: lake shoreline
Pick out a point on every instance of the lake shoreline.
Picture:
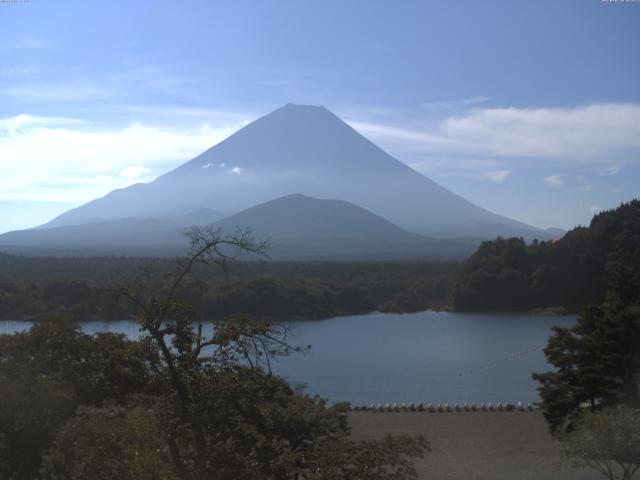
(429, 357)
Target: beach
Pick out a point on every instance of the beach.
(476, 445)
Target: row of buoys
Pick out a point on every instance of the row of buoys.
(510, 357)
(445, 408)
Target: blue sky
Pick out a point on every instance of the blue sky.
(528, 108)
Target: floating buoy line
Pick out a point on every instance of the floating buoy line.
(466, 407)
(450, 408)
(445, 408)
(495, 363)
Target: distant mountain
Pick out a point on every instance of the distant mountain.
(299, 216)
(203, 216)
(298, 227)
(301, 227)
(554, 233)
(136, 236)
(122, 236)
(302, 149)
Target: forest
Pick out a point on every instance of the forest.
(503, 274)
(508, 274)
(33, 288)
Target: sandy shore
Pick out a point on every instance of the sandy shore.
(476, 445)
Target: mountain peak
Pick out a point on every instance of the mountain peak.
(296, 112)
(293, 138)
(300, 107)
(302, 216)
(295, 196)
(303, 149)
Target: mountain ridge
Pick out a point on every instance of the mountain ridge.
(310, 150)
(299, 228)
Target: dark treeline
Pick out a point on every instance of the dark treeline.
(32, 288)
(504, 274)
(507, 274)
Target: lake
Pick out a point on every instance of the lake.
(424, 357)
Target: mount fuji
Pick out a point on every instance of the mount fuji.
(293, 150)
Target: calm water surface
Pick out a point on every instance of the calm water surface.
(420, 357)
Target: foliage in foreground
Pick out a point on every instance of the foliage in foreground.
(597, 361)
(607, 441)
(185, 402)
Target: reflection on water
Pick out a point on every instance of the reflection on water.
(421, 357)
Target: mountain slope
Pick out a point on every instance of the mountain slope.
(300, 216)
(298, 227)
(132, 236)
(309, 150)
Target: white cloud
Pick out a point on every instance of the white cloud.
(421, 140)
(474, 100)
(117, 85)
(59, 93)
(445, 164)
(99, 165)
(236, 170)
(66, 159)
(20, 70)
(32, 43)
(12, 125)
(24, 43)
(611, 170)
(587, 134)
(554, 180)
(498, 176)
(595, 209)
(174, 111)
(133, 173)
(443, 105)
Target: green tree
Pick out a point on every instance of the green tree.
(597, 361)
(388, 458)
(108, 443)
(31, 410)
(607, 441)
(51, 370)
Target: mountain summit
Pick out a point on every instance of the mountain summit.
(309, 150)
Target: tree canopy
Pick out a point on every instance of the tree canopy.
(597, 361)
(607, 441)
(35, 288)
(508, 274)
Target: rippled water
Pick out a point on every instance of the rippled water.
(421, 357)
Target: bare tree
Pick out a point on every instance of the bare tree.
(180, 337)
(222, 412)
